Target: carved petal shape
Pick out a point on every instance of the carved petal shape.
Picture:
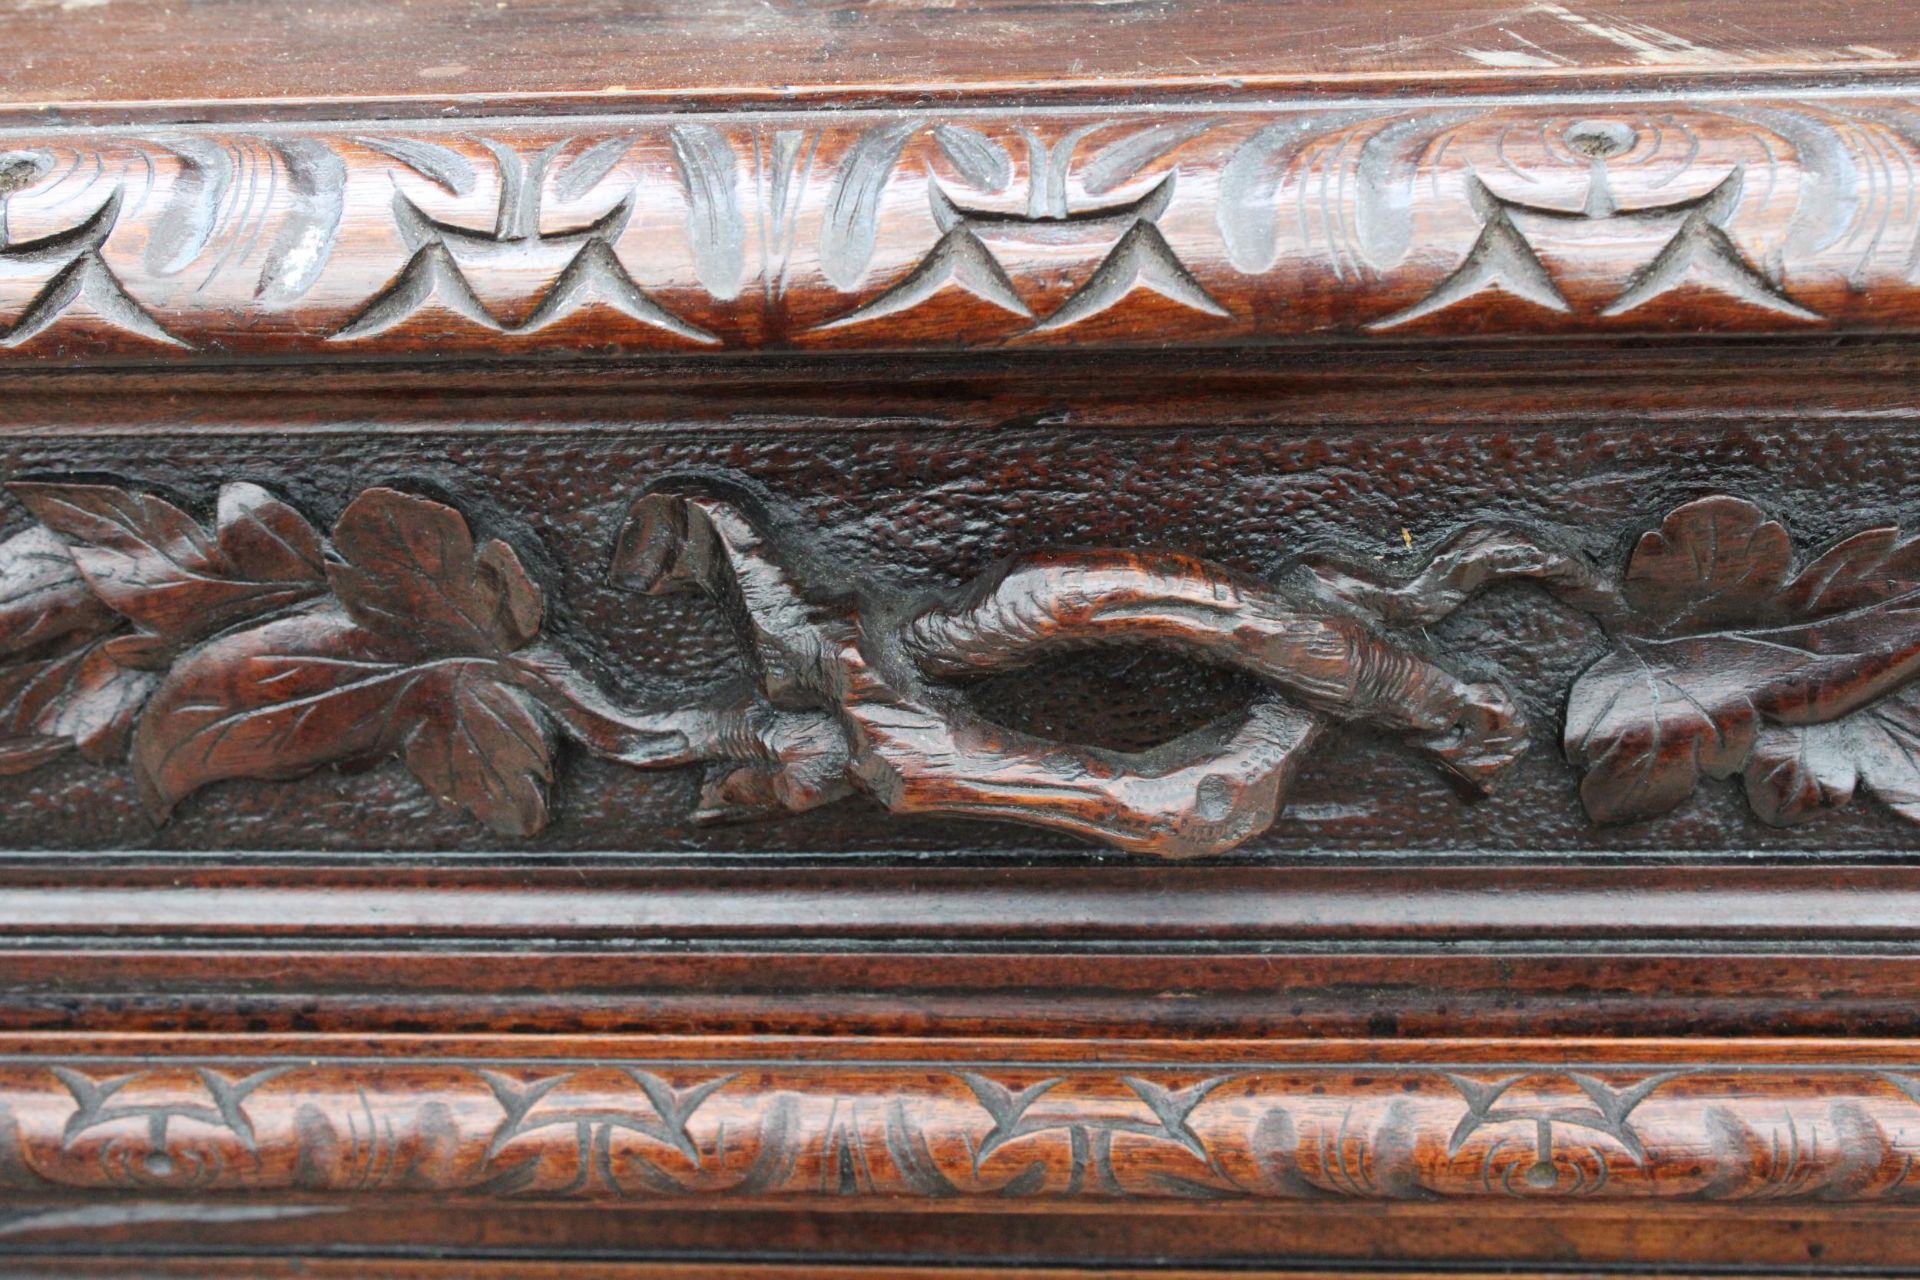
(1886, 748)
(267, 540)
(1711, 563)
(412, 576)
(1870, 567)
(288, 697)
(87, 697)
(1799, 772)
(489, 752)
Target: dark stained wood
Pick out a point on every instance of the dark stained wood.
(611, 617)
(957, 229)
(358, 53)
(950, 1126)
(259, 1268)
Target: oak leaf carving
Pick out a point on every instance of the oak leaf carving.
(155, 565)
(111, 585)
(1644, 732)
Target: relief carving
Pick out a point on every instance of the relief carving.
(1047, 222)
(583, 269)
(932, 1134)
(1729, 663)
(913, 230)
(255, 647)
(65, 266)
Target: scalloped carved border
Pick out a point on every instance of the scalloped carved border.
(941, 1132)
(891, 231)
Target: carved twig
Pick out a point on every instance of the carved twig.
(919, 749)
(1467, 563)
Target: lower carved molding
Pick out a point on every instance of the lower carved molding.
(932, 1133)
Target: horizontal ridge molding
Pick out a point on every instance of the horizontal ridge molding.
(817, 232)
(1803, 906)
(970, 1125)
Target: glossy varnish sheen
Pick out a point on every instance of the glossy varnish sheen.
(823, 641)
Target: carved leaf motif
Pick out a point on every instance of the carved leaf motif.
(491, 754)
(411, 575)
(409, 661)
(1807, 710)
(1885, 742)
(266, 540)
(86, 697)
(452, 171)
(283, 699)
(716, 228)
(154, 564)
(1118, 161)
(42, 595)
(1799, 772)
(981, 161)
(1715, 562)
(1644, 731)
(1867, 568)
(316, 199)
(853, 205)
(585, 170)
(1249, 184)
(192, 212)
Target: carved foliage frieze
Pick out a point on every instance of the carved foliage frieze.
(904, 230)
(248, 644)
(941, 1134)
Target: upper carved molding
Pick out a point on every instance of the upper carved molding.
(901, 231)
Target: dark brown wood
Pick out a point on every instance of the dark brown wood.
(836, 640)
(935, 1126)
(362, 55)
(927, 230)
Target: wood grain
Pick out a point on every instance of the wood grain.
(1448, 468)
(938, 1128)
(914, 231)
(256, 648)
(475, 54)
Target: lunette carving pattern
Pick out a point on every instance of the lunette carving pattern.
(255, 647)
(885, 231)
(783, 1131)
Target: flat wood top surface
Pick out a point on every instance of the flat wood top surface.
(212, 51)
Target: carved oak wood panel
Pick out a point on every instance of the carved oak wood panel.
(1267, 635)
(1616, 659)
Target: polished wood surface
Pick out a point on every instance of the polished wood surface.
(945, 1126)
(832, 640)
(960, 229)
(362, 55)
